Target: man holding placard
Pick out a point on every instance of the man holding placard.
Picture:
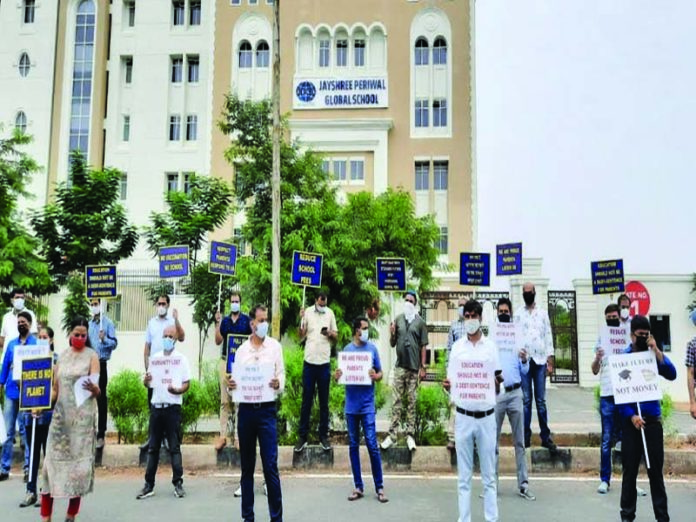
(474, 376)
(634, 377)
(455, 333)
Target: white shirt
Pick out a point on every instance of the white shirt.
(536, 333)
(318, 346)
(176, 369)
(484, 350)
(9, 325)
(155, 330)
(270, 352)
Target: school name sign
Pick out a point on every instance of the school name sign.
(341, 93)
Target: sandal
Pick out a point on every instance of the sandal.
(357, 494)
(382, 497)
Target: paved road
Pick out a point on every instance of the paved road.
(322, 498)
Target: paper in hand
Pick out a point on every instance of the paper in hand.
(81, 395)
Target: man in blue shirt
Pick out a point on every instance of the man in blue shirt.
(650, 421)
(24, 320)
(360, 409)
(102, 337)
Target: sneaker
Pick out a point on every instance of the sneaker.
(238, 491)
(641, 492)
(145, 445)
(146, 492)
(411, 443)
(179, 490)
(603, 488)
(325, 443)
(526, 494)
(301, 444)
(387, 443)
(100, 443)
(29, 500)
(451, 446)
(265, 489)
(550, 445)
(617, 447)
(4, 476)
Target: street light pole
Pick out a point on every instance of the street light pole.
(275, 177)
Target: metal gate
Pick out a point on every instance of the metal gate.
(564, 326)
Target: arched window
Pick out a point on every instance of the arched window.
(262, 54)
(422, 50)
(440, 51)
(83, 65)
(245, 55)
(24, 65)
(21, 122)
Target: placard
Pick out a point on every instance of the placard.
(223, 258)
(165, 371)
(81, 395)
(306, 269)
(471, 381)
(27, 351)
(100, 281)
(355, 368)
(234, 341)
(507, 338)
(508, 259)
(253, 383)
(607, 276)
(474, 269)
(391, 274)
(634, 377)
(173, 261)
(36, 384)
(614, 339)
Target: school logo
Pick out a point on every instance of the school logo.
(306, 91)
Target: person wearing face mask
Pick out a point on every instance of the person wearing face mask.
(165, 411)
(409, 335)
(236, 323)
(360, 410)
(624, 303)
(9, 320)
(11, 410)
(455, 333)
(538, 341)
(68, 470)
(102, 337)
(258, 421)
(475, 424)
(650, 421)
(691, 369)
(318, 329)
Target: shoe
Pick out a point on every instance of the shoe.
(29, 500)
(145, 445)
(301, 444)
(146, 492)
(179, 490)
(100, 443)
(25, 479)
(526, 494)
(325, 443)
(641, 492)
(4, 476)
(387, 443)
(265, 489)
(617, 447)
(238, 491)
(411, 443)
(451, 446)
(603, 488)
(220, 444)
(550, 445)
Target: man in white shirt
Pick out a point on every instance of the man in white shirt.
(624, 303)
(475, 422)
(9, 320)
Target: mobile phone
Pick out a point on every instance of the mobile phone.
(324, 331)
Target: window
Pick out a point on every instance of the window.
(262, 54)
(440, 174)
(126, 127)
(124, 186)
(24, 65)
(236, 2)
(339, 168)
(326, 166)
(130, 13)
(253, 2)
(128, 69)
(359, 53)
(177, 69)
(422, 50)
(440, 113)
(422, 175)
(83, 63)
(29, 11)
(191, 127)
(341, 53)
(172, 181)
(21, 122)
(174, 128)
(441, 242)
(440, 51)
(178, 12)
(324, 53)
(245, 55)
(195, 12)
(193, 64)
(421, 113)
(187, 182)
(357, 170)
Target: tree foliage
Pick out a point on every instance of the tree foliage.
(75, 302)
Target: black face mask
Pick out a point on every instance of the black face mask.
(504, 318)
(641, 344)
(23, 330)
(528, 297)
(614, 322)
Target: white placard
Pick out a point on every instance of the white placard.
(507, 338)
(355, 368)
(344, 92)
(3, 431)
(253, 383)
(165, 371)
(471, 381)
(614, 339)
(634, 377)
(27, 351)
(81, 395)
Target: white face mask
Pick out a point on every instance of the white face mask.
(364, 335)
(472, 326)
(18, 304)
(321, 309)
(409, 310)
(262, 329)
(161, 311)
(234, 307)
(625, 313)
(461, 311)
(96, 310)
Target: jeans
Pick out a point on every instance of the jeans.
(535, 378)
(11, 414)
(369, 427)
(41, 435)
(608, 412)
(258, 422)
(315, 376)
(101, 400)
(510, 404)
(164, 422)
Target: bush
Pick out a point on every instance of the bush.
(432, 411)
(211, 388)
(128, 405)
(193, 406)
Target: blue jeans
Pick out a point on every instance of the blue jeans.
(608, 411)
(259, 422)
(11, 414)
(370, 429)
(315, 376)
(536, 378)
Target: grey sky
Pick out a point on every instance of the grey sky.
(585, 128)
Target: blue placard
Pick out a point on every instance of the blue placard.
(37, 379)
(607, 276)
(474, 269)
(174, 261)
(223, 258)
(234, 341)
(391, 274)
(306, 269)
(508, 259)
(101, 281)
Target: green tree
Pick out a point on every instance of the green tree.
(75, 303)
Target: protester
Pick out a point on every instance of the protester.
(456, 332)
(43, 421)
(9, 329)
(650, 421)
(510, 402)
(538, 341)
(11, 409)
(258, 421)
(360, 410)
(691, 369)
(165, 411)
(68, 470)
(624, 303)
(102, 337)
(409, 335)
(475, 424)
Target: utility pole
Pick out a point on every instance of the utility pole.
(275, 178)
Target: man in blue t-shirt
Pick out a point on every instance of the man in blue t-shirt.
(360, 409)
